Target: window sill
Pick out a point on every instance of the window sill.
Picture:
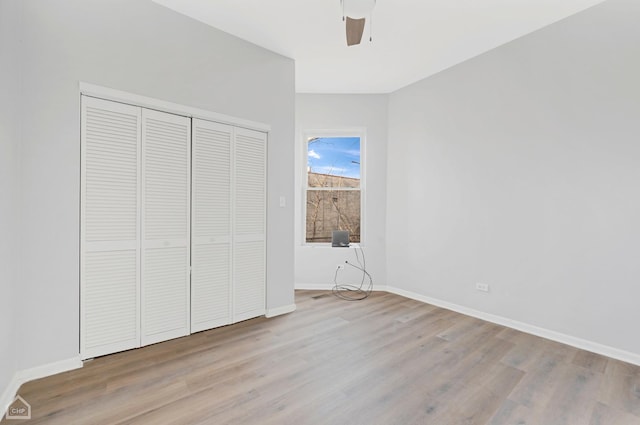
(328, 245)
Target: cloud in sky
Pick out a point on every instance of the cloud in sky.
(313, 154)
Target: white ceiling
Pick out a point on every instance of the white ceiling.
(412, 39)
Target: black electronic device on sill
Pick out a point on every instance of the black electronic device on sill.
(340, 239)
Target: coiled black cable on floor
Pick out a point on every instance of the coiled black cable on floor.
(352, 292)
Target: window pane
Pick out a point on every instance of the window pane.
(333, 162)
(329, 210)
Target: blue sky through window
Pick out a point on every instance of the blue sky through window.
(339, 156)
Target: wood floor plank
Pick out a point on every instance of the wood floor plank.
(577, 386)
(606, 415)
(591, 361)
(510, 413)
(621, 387)
(535, 388)
(383, 361)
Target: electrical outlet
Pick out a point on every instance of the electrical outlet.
(484, 287)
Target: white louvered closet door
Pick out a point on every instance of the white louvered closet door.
(249, 211)
(211, 225)
(109, 245)
(166, 157)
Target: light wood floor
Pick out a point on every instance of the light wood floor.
(386, 360)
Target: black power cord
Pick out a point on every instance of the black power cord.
(349, 292)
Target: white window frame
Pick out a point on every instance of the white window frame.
(347, 132)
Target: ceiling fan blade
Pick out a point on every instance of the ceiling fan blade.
(355, 28)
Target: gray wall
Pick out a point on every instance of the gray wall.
(520, 169)
(9, 193)
(316, 265)
(143, 48)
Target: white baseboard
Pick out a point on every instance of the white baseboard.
(49, 369)
(314, 286)
(26, 375)
(573, 341)
(278, 311)
(23, 376)
(329, 287)
(9, 394)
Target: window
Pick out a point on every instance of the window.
(333, 187)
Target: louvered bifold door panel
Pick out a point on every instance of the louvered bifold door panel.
(211, 225)
(166, 156)
(109, 243)
(249, 208)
